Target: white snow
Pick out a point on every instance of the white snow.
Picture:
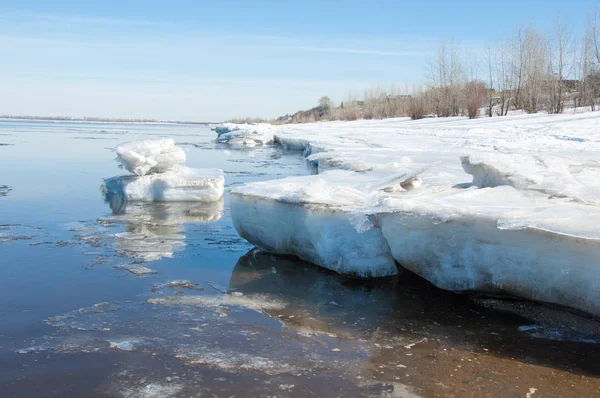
(179, 184)
(150, 156)
(507, 203)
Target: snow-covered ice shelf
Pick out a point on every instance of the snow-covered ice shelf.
(506, 204)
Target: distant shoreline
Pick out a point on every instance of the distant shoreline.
(98, 120)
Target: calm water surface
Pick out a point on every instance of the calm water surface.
(211, 316)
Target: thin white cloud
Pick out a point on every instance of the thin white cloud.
(356, 51)
(72, 19)
(341, 50)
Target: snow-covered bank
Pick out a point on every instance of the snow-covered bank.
(509, 204)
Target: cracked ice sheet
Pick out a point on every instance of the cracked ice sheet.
(542, 188)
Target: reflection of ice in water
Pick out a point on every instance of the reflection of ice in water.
(4, 189)
(372, 338)
(318, 302)
(155, 230)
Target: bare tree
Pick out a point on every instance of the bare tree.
(445, 74)
(491, 61)
(349, 108)
(475, 94)
(534, 68)
(560, 49)
(591, 61)
(502, 78)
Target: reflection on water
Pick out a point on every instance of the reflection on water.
(284, 322)
(4, 189)
(317, 301)
(154, 230)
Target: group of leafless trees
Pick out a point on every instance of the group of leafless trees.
(529, 71)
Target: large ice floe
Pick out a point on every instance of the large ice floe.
(158, 175)
(508, 204)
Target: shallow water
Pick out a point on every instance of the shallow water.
(165, 300)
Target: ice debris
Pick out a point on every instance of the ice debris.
(123, 345)
(244, 134)
(137, 270)
(150, 156)
(4, 190)
(180, 184)
(159, 176)
(184, 284)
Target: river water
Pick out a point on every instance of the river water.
(165, 300)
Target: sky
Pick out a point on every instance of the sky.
(215, 60)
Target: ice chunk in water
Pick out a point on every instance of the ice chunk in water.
(244, 134)
(181, 184)
(323, 236)
(150, 156)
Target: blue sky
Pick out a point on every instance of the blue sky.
(212, 60)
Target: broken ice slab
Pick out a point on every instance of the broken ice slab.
(137, 270)
(500, 239)
(324, 236)
(489, 239)
(554, 176)
(310, 218)
(150, 156)
(181, 184)
(244, 134)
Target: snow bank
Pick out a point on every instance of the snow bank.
(179, 184)
(150, 156)
(555, 176)
(244, 134)
(505, 204)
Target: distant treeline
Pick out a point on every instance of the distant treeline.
(96, 119)
(527, 70)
